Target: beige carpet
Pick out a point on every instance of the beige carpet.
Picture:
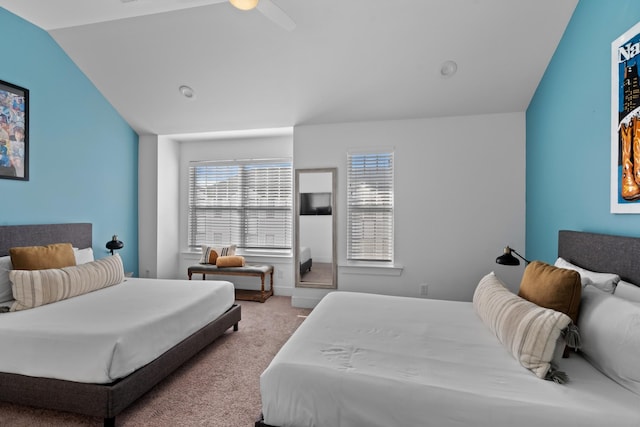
(219, 387)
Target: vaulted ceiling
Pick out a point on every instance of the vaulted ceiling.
(345, 60)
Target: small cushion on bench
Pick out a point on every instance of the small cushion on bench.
(210, 254)
(230, 261)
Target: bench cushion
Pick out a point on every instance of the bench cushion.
(230, 261)
(251, 269)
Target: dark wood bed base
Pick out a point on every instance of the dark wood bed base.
(98, 400)
(108, 400)
(597, 252)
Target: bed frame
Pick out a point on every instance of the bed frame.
(597, 252)
(602, 252)
(306, 266)
(97, 400)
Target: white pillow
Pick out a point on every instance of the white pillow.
(604, 281)
(83, 256)
(626, 290)
(610, 333)
(5, 284)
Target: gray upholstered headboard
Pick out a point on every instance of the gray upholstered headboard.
(79, 235)
(602, 252)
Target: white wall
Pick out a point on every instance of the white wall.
(315, 233)
(459, 199)
(147, 205)
(158, 176)
(167, 252)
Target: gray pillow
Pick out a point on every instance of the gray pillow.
(610, 333)
(5, 283)
(628, 291)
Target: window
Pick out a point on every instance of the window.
(246, 203)
(370, 207)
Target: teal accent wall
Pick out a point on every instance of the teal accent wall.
(83, 155)
(568, 133)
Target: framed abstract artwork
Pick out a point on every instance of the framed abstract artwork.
(14, 132)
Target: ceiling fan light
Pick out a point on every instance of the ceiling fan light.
(244, 4)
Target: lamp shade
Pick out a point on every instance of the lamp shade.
(244, 4)
(114, 244)
(507, 258)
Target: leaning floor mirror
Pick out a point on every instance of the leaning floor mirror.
(315, 226)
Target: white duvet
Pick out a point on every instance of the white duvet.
(107, 334)
(372, 360)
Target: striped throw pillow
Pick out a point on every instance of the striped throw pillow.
(33, 288)
(529, 332)
(210, 254)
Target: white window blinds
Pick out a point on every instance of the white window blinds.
(370, 207)
(246, 203)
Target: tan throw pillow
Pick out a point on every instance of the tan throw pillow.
(57, 255)
(210, 254)
(529, 332)
(552, 287)
(230, 261)
(39, 287)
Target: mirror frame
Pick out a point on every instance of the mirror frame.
(334, 257)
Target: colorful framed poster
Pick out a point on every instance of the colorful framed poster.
(625, 122)
(14, 132)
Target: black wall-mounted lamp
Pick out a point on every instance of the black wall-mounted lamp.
(114, 244)
(508, 259)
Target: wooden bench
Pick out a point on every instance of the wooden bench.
(248, 270)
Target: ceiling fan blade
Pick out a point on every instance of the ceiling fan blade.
(277, 15)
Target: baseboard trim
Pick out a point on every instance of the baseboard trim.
(304, 302)
(285, 291)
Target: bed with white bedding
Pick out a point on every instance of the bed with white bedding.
(97, 352)
(372, 360)
(305, 259)
(122, 327)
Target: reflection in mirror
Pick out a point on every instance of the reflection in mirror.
(315, 249)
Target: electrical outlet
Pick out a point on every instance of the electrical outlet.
(424, 289)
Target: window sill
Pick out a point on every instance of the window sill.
(268, 254)
(372, 268)
(262, 257)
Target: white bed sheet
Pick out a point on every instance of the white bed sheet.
(107, 334)
(373, 360)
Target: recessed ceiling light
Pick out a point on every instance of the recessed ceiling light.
(448, 68)
(186, 91)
